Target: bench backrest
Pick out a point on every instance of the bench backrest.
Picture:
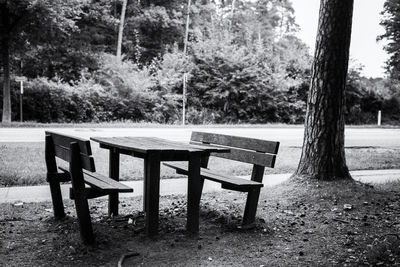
(60, 146)
(255, 151)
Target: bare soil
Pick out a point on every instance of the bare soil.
(298, 224)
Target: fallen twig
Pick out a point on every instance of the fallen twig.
(125, 256)
(340, 220)
(16, 220)
(390, 234)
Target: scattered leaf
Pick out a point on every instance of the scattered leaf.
(347, 207)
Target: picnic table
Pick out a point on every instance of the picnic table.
(155, 150)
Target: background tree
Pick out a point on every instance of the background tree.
(152, 28)
(23, 23)
(391, 23)
(121, 29)
(65, 55)
(244, 63)
(323, 155)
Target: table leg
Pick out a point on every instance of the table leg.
(152, 192)
(114, 174)
(145, 181)
(194, 193)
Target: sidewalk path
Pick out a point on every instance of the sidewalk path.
(177, 186)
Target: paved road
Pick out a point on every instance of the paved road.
(288, 136)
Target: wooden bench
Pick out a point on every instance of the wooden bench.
(260, 153)
(81, 172)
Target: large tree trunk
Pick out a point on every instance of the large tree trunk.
(5, 56)
(323, 155)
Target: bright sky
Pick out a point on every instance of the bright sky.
(364, 48)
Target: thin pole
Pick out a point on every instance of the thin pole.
(185, 45)
(184, 99)
(20, 101)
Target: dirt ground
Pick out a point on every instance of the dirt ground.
(298, 224)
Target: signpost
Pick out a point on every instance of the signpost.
(184, 98)
(379, 117)
(21, 80)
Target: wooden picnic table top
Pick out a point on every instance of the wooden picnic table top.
(145, 145)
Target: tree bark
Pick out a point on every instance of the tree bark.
(5, 59)
(185, 42)
(323, 155)
(5, 56)
(121, 29)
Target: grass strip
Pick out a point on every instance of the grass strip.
(24, 164)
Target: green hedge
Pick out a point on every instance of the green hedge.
(45, 102)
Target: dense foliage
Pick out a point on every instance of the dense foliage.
(243, 64)
(391, 24)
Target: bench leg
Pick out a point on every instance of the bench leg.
(145, 186)
(81, 203)
(250, 210)
(85, 223)
(56, 197)
(55, 190)
(114, 174)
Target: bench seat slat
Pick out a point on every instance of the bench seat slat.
(89, 192)
(236, 182)
(102, 182)
(105, 183)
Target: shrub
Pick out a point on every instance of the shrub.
(391, 110)
(52, 101)
(124, 78)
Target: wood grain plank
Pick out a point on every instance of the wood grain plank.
(105, 183)
(124, 143)
(65, 140)
(210, 147)
(267, 160)
(102, 182)
(87, 162)
(214, 176)
(152, 144)
(236, 141)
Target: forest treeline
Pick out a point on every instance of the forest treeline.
(243, 64)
